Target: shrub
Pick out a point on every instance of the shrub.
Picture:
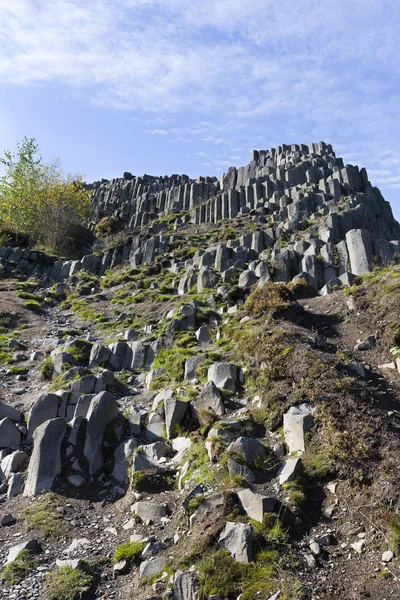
(106, 226)
(16, 571)
(271, 299)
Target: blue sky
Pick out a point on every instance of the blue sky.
(191, 87)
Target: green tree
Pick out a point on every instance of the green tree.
(39, 200)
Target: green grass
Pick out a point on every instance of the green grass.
(42, 516)
(47, 368)
(29, 296)
(129, 551)
(14, 370)
(18, 570)
(34, 306)
(66, 583)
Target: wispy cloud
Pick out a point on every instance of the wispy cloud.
(238, 75)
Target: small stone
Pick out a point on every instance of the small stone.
(387, 556)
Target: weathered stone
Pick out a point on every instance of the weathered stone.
(256, 505)
(102, 410)
(13, 462)
(174, 412)
(203, 335)
(10, 412)
(45, 408)
(249, 448)
(31, 544)
(151, 567)
(149, 511)
(289, 470)
(45, 462)
(360, 251)
(10, 436)
(209, 399)
(237, 538)
(191, 365)
(296, 423)
(15, 485)
(185, 586)
(239, 470)
(121, 459)
(225, 376)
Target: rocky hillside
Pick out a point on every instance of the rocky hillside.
(206, 405)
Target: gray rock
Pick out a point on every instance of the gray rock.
(360, 251)
(15, 485)
(99, 355)
(209, 399)
(122, 458)
(249, 448)
(289, 470)
(11, 413)
(296, 423)
(7, 519)
(185, 586)
(44, 409)
(174, 413)
(45, 461)
(237, 538)
(256, 505)
(225, 376)
(77, 480)
(149, 511)
(103, 410)
(203, 335)
(239, 470)
(366, 344)
(31, 544)
(10, 436)
(191, 365)
(13, 462)
(247, 279)
(151, 567)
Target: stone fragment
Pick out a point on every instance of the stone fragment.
(10, 436)
(387, 556)
(149, 511)
(203, 335)
(151, 567)
(366, 344)
(121, 460)
(102, 410)
(44, 409)
(185, 586)
(174, 412)
(209, 399)
(31, 544)
(10, 412)
(15, 485)
(225, 376)
(289, 470)
(256, 505)
(249, 448)
(239, 470)
(296, 423)
(45, 461)
(359, 247)
(237, 538)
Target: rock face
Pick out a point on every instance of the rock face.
(45, 462)
(359, 247)
(102, 410)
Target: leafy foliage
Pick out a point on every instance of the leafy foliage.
(39, 200)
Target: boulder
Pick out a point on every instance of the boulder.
(191, 365)
(256, 505)
(31, 544)
(11, 413)
(359, 247)
(209, 399)
(226, 376)
(15, 485)
(296, 423)
(151, 567)
(237, 538)
(185, 586)
(44, 409)
(174, 412)
(45, 461)
(289, 470)
(10, 436)
(149, 511)
(13, 462)
(102, 410)
(203, 335)
(121, 460)
(249, 448)
(239, 470)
